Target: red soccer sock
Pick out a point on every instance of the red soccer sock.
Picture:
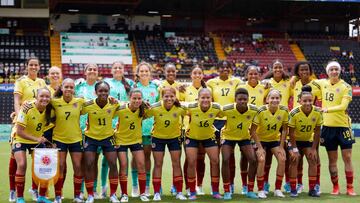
(200, 170)
(260, 182)
(113, 181)
(244, 175)
(232, 168)
(215, 183)
(251, 186)
(227, 187)
(349, 179)
(278, 182)
(266, 173)
(43, 190)
(58, 186)
(12, 172)
(89, 184)
(335, 180)
(318, 174)
(34, 186)
(77, 180)
(293, 183)
(142, 182)
(123, 183)
(191, 183)
(156, 184)
(20, 184)
(178, 183)
(312, 182)
(185, 174)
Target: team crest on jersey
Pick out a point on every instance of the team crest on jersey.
(233, 117)
(337, 90)
(187, 141)
(190, 93)
(160, 115)
(260, 91)
(175, 115)
(248, 117)
(126, 116)
(197, 115)
(313, 119)
(230, 83)
(211, 115)
(108, 111)
(152, 94)
(33, 118)
(278, 118)
(75, 105)
(284, 85)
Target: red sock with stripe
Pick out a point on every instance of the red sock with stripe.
(278, 182)
(12, 172)
(178, 183)
(349, 179)
(142, 182)
(260, 182)
(215, 183)
(114, 182)
(293, 183)
(77, 181)
(191, 183)
(42, 191)
(156, 184)
(58, 186)
(227, 187)
(20, 184)
(312, 182)
(250, 185)
(34, 186)
(335, 180)
(89, 184)
(123, 183)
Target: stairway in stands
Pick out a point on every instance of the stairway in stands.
(297, 52)
(55, 52)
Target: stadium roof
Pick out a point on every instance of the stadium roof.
(205, 8)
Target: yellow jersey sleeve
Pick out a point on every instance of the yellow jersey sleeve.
(129, 128)
(67, 124)
(201, 123)
(237, 124)
(33, 121)
(99, 120)
(166, 125)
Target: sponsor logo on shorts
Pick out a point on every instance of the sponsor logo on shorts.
(187, 141)
(86, 144)
(322, 140)
(153, 145)
(17, 145)
(222, 141)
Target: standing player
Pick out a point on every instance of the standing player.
(167, 132)
(223, 92)
(267, 124)
(150, 94)
(67, 136)
(236, 131)
(304, 131)
(201, 132)
(128, 136)
(25, 90)
(99, 133)
(170, 79)
(30, 125)
(191, 95)
(257, 96)
(336, 131)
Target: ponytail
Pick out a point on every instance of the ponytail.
(126, 85)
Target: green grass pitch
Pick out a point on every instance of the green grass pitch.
(167, 180)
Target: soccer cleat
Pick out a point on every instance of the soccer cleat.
(135, 191)
(42, 199)
(313, 193)
(157, 197)
(350, 192)
(34, 194)
(266, 187)
(251, 195)
(57, 199)
(77, 199)
(90, 199)
(300, 188)
(287, 187)
(114, 199)
(173, 190)
(216, 195)
(144, 198)
(180, 196)
(192, 196)
(12, 196)
(227, 196)
(244, 190)
(317, 189)
(336, 190)
(124, 198)
(262, 194)
(147, 191)
(278, 193)
(232, 188)
(199, 190)
(20, 200)
(293, 193)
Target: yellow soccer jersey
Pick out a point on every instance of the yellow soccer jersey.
(33, 121)
(304, 125)
(67, 124)
(237, 124)
(129, 127)
(332, 98)
(175, 85)
(201, 123)
(223, 92)
(257, 94)
(166, 125)
(190, 94)
(315, 90)
(99, 121)
(27, 87)
(284, 87)
(268, 125)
